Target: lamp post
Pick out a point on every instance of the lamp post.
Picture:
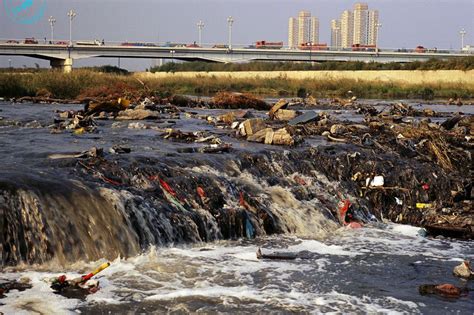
(71, 14)
(463, 33)
(377, 26)
(230, 21)
(51, 21)
(200, 26)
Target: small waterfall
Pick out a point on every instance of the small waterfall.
(159, 202)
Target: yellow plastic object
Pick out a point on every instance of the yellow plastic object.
(124, 102)
(100, 268)
(421, 205)
(79, 131)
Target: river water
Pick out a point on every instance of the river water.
(376, 269)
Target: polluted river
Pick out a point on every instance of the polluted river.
(304, 208)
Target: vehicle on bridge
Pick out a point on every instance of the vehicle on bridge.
(193, 45)
(138, 44)
(59, 42)
(420, 49)
(262, 44)
(360, 47)
(313, 46)
(95, 42)
(30, 40)
(224, 46)
(12, 41)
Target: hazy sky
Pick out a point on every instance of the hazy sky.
(406, 23)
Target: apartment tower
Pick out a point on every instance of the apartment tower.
(304, 27)
(335, 34)
(293, 33)
(361, 20)
(347, 28)
(372, 28)
(314, 34)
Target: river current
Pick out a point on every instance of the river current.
(376, 269)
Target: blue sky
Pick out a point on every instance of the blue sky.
(406, 23)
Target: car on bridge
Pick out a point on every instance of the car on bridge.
(30, 40)
(262, 44)
(95, 42)
(420, 49)
(12, 41)
(360, 47)
(313, 46)
(138, 44)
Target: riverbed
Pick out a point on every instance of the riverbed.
(376, 269)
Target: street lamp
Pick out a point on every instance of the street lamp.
(230, 21)
(200, 26)
(71, 14)
(463, 33)
(377, 26)
(51, 21)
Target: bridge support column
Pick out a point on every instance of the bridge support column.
(64, 64)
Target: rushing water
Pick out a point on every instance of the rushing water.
(369, 270)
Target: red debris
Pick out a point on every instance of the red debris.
(201, 192)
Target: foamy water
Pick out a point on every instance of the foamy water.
(370, 270)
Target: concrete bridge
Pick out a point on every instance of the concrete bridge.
(62, 56)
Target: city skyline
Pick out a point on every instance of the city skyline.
(437, 22)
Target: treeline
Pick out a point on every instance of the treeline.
(466, 63)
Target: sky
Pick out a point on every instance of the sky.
(405, 23)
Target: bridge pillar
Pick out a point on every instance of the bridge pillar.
(64, 64)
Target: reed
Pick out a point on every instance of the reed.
(81, 82)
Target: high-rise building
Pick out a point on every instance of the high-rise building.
(361, 19)
(293, 33)
(314, 33)
(347, 28)
(372, 28)
(336, 34)
(357, 27)
(304, 27)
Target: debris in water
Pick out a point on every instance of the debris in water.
(276, 256)
(444, 290)
(78, 287)
(464, 270)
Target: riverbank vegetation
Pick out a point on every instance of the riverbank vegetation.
(464, 64)
(83, 83)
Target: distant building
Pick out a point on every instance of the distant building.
(314, 30)
(336, 34)
(372, 28)
(357, 27)
(303, 29)
(361, 19)
(293, 32)
(347, 29)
